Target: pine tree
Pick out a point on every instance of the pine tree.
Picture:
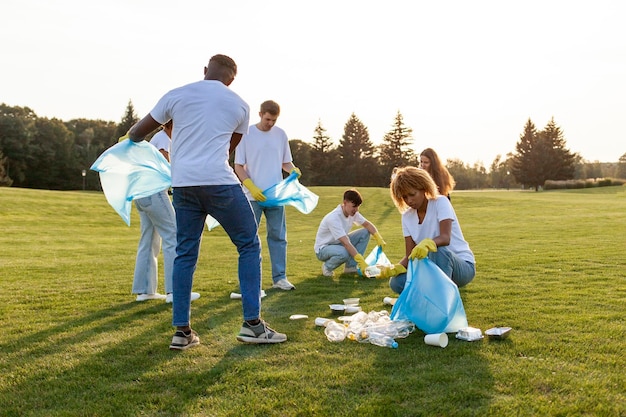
(542, 156)
(356, 150)
(129, 119)
(323, 158)
(395, 150)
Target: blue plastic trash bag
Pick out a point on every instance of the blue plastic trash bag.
(430, 300)
(290, 192)
(129, 170)
(376, 257)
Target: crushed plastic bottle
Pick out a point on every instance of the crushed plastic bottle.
(382, 340)
(372, 271)
(335, 332)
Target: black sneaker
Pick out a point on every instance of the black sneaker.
(182, 340)
(259, 333)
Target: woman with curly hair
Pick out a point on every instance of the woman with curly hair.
(430, 228)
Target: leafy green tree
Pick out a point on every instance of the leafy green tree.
(301, 154)
(395, 151)
(621, 167)
(358, 165)
(324, 158)
(128, 120)
(17, 130)
(5, 181)
(51, 165)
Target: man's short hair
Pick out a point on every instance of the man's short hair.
(353, 196)
(271, 107)
(225, 62)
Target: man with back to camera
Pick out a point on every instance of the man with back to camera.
(209, 121)
(260, 159)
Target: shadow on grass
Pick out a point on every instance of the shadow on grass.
(131, 371)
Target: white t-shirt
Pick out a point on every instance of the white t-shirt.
(263, 154)
(205, 115)
(438, 209)
(161, 141)
(335, 225)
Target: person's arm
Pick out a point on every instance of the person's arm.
(241, 172)
(143, 128)
(234, 141)
(374, 232)
(409, 244)
(165, 153)
(445, 232)
(345, 241)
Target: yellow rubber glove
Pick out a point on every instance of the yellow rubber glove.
(360, 261)
(297, 171)
(391, 271)
(421, 250)
(123, 138)
(379, 240)
(254, 190)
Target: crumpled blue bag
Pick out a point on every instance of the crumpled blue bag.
(290, 192)
(430, 300)
(129, 170)
(376, 257)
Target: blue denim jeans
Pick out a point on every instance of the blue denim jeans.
(230, 207)
(461, 272)
(158, 230)
(276, 226)
(335, 255)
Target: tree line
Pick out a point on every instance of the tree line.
(37, 152)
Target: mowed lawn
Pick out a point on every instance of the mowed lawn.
(551, 265)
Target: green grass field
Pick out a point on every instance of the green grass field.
(550, 265)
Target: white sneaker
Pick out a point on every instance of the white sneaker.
(283, 284)
(350, 270)
(327, 272)
(145, 297)
(170, 297)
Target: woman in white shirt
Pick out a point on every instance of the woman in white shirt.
(430, 228)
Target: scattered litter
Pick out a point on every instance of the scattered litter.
(298, 316)
(237, 296)
(469, 334)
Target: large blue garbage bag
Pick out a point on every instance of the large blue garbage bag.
(129, 170)
(430, 300)
(290, 192)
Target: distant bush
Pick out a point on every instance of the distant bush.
(588, 183)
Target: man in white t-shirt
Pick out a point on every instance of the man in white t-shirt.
(260, 159)
(335, 244)
(209, 121)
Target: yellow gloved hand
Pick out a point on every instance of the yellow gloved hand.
(297, 171)
(391, 271)
(123, 138)
(379, 240)
(421, 250)
(256, 192)
(360, 261)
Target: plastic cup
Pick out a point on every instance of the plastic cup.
(436, 339)
(389, 301)
(321, 321)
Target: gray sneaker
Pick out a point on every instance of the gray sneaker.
(327, 272)
(182, 341)
(260, 333)
(283, 284)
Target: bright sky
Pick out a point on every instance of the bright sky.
(466, 75)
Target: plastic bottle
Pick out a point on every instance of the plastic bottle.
(335, 332)
(389, 301)
(382, 340)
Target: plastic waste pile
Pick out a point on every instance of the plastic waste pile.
(374, 327)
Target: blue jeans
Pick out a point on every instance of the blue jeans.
(230, 207)
(158, 229)
(461, 272)
(276, 237)
(335, 255)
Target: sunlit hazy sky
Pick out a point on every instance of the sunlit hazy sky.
(466, 75)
